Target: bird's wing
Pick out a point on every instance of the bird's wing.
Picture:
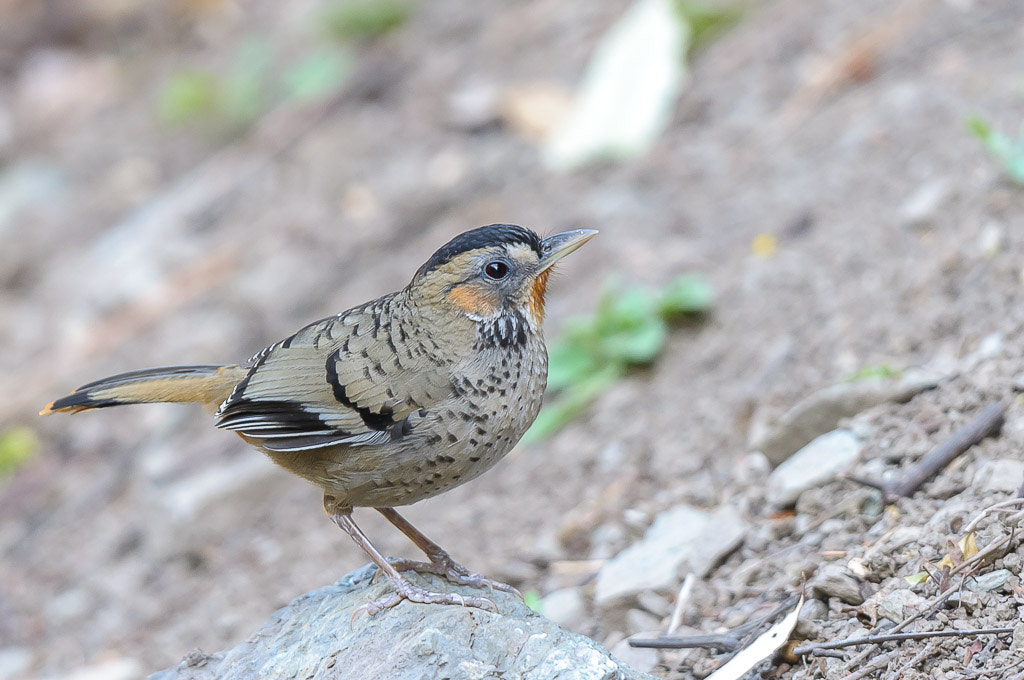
(355, 379)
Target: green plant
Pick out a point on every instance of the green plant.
(18, 445)
(628, 329)
(533, 600)
(1009, 152)
(364, 19)
(231, 101)
(873, 372)
(707, 21)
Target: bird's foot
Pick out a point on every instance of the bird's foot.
(404, 590)
(444, 566)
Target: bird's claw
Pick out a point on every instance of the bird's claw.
(450, 570)
(404, 590)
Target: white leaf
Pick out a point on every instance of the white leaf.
(760, 649)
(628, 92)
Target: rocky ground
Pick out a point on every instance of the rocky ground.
(836, 128)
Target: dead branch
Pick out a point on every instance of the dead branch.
(985, 424)
(898, 637)
(726, 642)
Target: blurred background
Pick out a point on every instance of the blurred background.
(838, 185)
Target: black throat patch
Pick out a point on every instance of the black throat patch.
(508, 329)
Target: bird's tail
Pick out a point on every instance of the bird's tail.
(207, 385)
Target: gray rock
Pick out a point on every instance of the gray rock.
(898, 604)
(566, 607)
(638, 621)
(922, 207)
(833, 580)
(993, 580)
(818, 463)
(14, 661)
(808, 623)
(681, 539)
(1003, 475)
(821, 412)
(316, 637)
(641, 658)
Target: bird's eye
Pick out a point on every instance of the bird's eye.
(496, 270)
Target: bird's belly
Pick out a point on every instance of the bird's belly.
(457, 441)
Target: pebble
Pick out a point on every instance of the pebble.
(808, 624)
(117, 669)
(654, 603)
(818, 463)
(642, 659)
(993, 580)
(566, 607)
(833, 580)
(638, 621)
(1003, 475)
(821, 411)
(14, 661)
(682, 538)
(922, 207)
(899, 604)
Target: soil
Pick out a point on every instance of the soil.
(838, 128)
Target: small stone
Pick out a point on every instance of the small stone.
(566, 607)
(990, 243)
(1003, 475)
(922, 207)
(117, 669)
(654, 603)
(474, 107)
(681, 539)
(808, 623)
(818, 463)
(1017, 643)
(833, 580)
(821, 412)
(14, 661)
(993, 580)
(642, 659)
(638, 621)
(606, 541)
(899, 604)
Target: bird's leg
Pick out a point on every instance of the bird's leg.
(441, 563)
(404, 590)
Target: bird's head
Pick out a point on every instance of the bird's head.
(496, 270)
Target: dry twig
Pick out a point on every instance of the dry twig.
(727, 642)
(985, 424)
(898, 637)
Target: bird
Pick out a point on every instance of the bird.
(392, 401)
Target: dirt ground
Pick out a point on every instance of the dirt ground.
(136, 535)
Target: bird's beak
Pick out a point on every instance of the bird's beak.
(557, 246)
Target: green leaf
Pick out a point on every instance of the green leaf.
(707, 22)
(533, 600)
(689, 294)
(187, 95)
(637, 342)
(1009, 152)
(365, 19)
(18, 445)
(244, 96)
(317, 75)
(555, 415)
(568, 362)
(916, 579)
(878, 372)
